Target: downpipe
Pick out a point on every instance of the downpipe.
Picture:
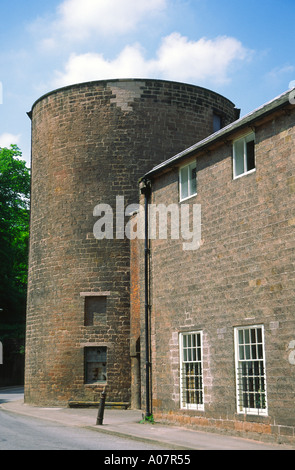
(146, 191)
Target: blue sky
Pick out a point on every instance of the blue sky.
(241, 49)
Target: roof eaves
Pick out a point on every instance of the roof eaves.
(245, 121)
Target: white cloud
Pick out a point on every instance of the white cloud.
(177, 58)
(279, 73)
(6, 139)
(90, 66)
(77, 20)
(199, 60)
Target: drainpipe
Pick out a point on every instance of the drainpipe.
(146, 190)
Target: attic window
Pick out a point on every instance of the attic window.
(244, 155)
(187, 181)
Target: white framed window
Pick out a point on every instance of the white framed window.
(244, 155)
(191, 371)
(250, 370)
(187, 181)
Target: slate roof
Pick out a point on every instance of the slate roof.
(245, 122)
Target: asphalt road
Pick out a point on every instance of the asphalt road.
(11, 394)
(25, 433)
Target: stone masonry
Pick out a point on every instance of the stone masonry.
(242, 275)
(92, 142)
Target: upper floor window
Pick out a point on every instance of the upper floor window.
(244, 155)
(217, 122)
(95, 311)
(187, 181)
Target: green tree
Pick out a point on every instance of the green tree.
(14, 240)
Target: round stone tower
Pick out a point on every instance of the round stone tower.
(91, 143)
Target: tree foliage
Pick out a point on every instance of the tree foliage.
(14, 233)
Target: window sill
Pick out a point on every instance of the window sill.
(96, 384)
(193, 408)
(188, 197)
(253, 412)
(244, 174)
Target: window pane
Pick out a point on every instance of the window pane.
(96, 372)
(188, 182)
(184, 183)
(241, 352)
(216, 123)
(253, 347)
(247, 337)
(194, 355)
(239, 157)
(244, 155)
(189, 356)
(250, 155)
(193, 180)
(247, 350)
(241, 337)
(95, 364)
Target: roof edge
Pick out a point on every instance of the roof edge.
(114, 80)
(246, 121)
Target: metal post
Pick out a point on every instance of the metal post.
(100, 414)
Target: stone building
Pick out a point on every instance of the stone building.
(91, 143)
(222, 312)
(194, 320)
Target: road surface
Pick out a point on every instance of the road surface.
(26, 433)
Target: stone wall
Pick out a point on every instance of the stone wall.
(243, 274)
(91, 143)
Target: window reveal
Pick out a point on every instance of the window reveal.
(95, 310)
